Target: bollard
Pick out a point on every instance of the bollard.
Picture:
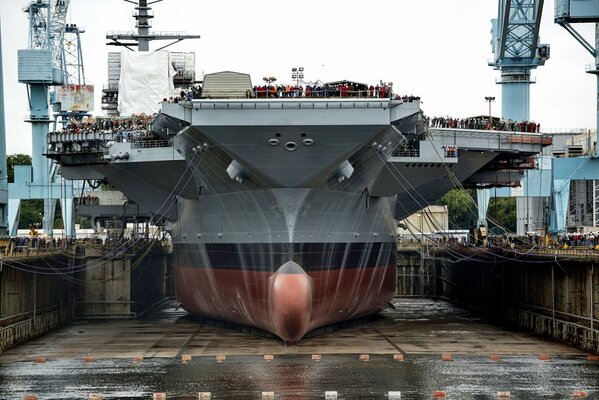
(544, 357)
(439, 394)
(138, 359)
(40, 360)
(204, 396)
(268, 395)
(186, 358)
(394, 395)
(89, 359)
(268, 357)
(330, 395)
(364, 357)
(579, 394)
(495, 357)
(446, 357)
(160, 396)
(316, 357)
(504, 395)
(398, 357)
(220, 357)
(95, 396)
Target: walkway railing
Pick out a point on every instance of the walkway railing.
(20, 331)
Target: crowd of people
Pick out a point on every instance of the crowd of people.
(588, 239)
(135, 122)
(564, 241)
(194, 92)
(482, 123)
(33, 242)
(134, 127)
(22, 243)
(344, 89)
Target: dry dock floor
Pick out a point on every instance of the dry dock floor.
(415, 327)
(419, 330)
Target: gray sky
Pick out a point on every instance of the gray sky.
(437, 49)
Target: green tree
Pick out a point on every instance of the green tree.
(16, 159)
(30, 213)
(502, 214)
(461, 210)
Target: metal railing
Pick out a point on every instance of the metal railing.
(149, 144)
(20, 331)
(18, 252)
(500, 136)
(291, 103)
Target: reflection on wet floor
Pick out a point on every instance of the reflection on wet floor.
(419, 329)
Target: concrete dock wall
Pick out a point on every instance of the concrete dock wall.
(33, 303)
(117, 284)
(44, 291)
(554, 296)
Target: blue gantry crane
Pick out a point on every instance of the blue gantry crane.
(566, 170)
(40, 67)
(517, 52)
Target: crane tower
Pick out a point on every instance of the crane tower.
(40, 67)
(517, 52)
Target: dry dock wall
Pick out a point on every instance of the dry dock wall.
(32, 303)
(122, 285)
(94, 283)
(555, 295)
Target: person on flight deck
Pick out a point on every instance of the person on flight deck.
(371, 91)
(376, 91)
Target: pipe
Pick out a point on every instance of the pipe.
(553, 296)
(592, 308)
(3, 167)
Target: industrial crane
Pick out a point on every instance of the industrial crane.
(516, 49)
(566, 170)
(515, 45)
(41, 66)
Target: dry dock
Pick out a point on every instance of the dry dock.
(87, 358)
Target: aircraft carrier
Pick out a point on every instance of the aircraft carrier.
(283, 211)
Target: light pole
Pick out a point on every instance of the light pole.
(297, 73)
(490, 100)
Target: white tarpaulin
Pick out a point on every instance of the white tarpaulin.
(146, 79)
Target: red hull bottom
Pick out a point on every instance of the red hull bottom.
(289, 302)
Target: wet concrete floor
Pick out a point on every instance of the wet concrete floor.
(420, 330)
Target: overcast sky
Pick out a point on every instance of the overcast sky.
(437, 49)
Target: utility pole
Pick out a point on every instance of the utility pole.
(490, 100)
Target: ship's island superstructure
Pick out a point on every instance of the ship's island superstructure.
(283, 211)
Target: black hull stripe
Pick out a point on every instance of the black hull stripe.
(268, 257)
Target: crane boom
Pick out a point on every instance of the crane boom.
(58, 14)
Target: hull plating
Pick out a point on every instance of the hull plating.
(290, 300)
